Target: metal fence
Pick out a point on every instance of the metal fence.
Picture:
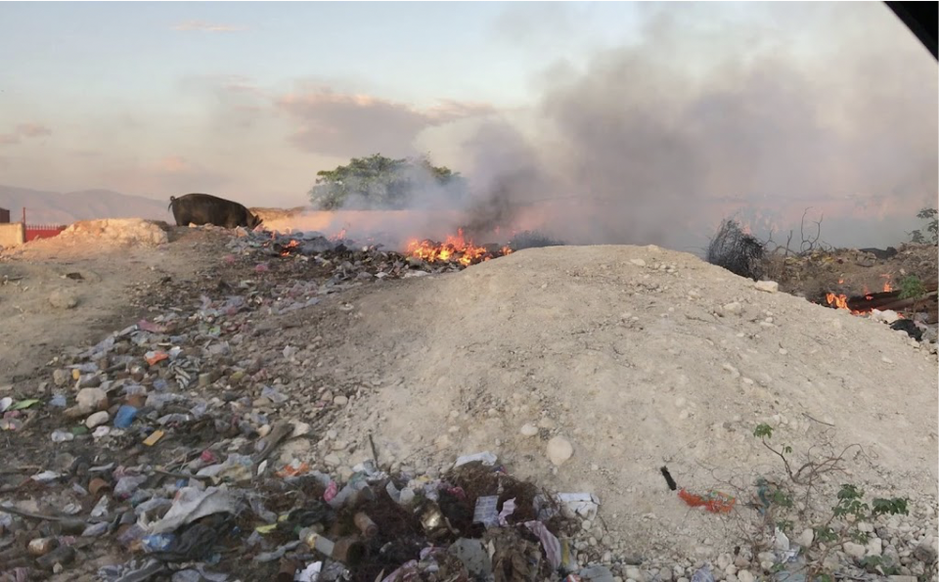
(34, 231)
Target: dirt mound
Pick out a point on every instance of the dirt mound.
(639, 357)
(119, 230)
(66, 290)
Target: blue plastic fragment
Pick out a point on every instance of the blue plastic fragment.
(125, 416)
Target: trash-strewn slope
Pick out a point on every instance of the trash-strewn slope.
(639, 357)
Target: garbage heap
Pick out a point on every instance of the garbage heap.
(157, 454)
(313, 246)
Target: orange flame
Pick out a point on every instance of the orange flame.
(286, 250)
(839, 301)
(887, 286)
(454, 248)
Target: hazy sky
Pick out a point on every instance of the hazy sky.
(250, 100)
(253, 98)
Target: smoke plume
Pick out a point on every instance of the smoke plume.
(654, 142)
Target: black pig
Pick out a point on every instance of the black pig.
(207, 209)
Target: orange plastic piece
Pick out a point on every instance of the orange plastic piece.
(714, 501)
(157, 357)
(292, 471)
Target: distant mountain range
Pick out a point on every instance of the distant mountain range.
(65, 208)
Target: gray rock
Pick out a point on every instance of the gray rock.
(597, 574)
(633, 573)
(925, 553)
(61, 377)
(90, 399)
(855, 550)
(732, 307)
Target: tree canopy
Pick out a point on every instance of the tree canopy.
(378, 182)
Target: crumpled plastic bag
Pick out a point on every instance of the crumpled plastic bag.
(191, 504)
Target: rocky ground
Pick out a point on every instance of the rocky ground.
(267, 382)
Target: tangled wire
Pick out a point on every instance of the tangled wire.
(736, 251)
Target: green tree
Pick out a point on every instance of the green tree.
(931, 236)
(380, 182)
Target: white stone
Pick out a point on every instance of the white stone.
(638, 262)
(300, 429)
(806, 538)
(745, 576)
(887, 316)
(634, 573)
(875, 547)
(89, 399)
(559, 450)
(97, 419)
(855, 550)
(529, 430)
(767, 286)
(340, 400)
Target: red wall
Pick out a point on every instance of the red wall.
(34, 231)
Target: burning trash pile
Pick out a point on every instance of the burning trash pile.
(896, 286)
(904, 309)
(424, 256)
(455, 249)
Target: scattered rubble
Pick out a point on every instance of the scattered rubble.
(119, 230)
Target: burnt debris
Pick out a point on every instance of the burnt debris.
(738, 252)
(909, 327)
(668, 478)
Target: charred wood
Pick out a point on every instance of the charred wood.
(892, 300)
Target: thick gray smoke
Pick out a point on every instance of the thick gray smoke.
(656, 141)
